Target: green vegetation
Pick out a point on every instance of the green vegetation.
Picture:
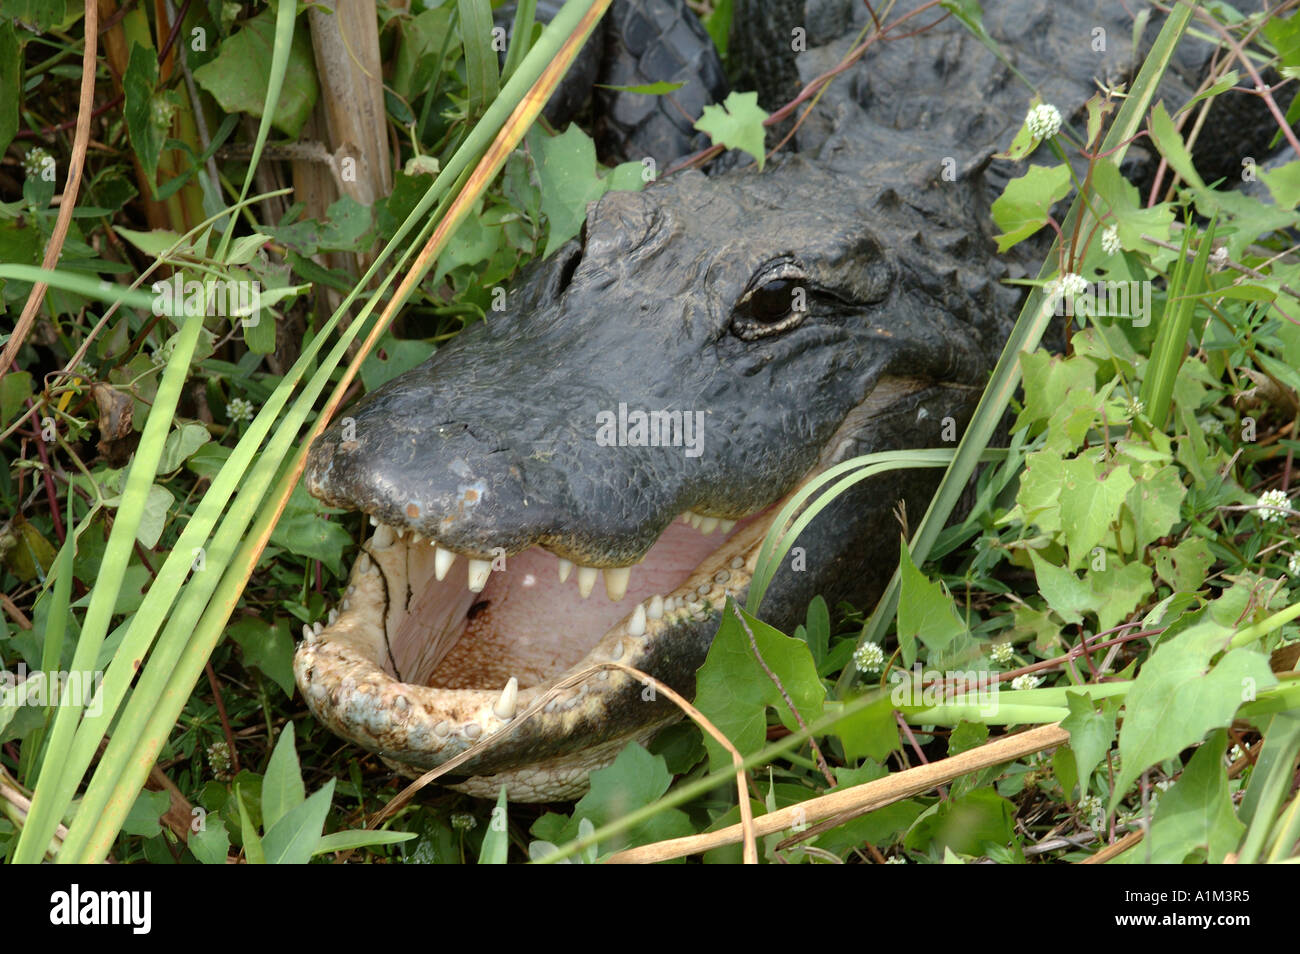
(1128, 569)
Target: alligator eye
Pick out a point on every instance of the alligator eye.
(774, 306)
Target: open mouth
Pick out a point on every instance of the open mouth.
(430, 652)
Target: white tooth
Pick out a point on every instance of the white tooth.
(566, 567)
(333, 617)
(374, 521)
(316, 627)
(737, 562)
(696, 520)
(617, 654)
(708, 525)
(383, 538)
(636, 625)
(442, 728)
(656, 607)
(365, 563)
(587, 580)
(479, 571)
(307, 632)
(616, 580)
(505, 706)
(442, 561)
(416, 538)
(726, 526)
(346, 605)
(685, 517)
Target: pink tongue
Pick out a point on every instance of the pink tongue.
(535, 627)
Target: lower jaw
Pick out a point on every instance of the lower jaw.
(540, 736)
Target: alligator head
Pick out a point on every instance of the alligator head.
(649, 396)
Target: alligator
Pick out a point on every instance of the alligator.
(657, 387)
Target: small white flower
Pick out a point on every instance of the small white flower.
(1002, 653)
(463, 821)
(1235, 753)
(1219, 259)
(237, 409)
(1069, 285)
(895, 860)
(35, 161)
(1293, 564)
(1110, 240)
(1273, 506)
(1027, 681)
(1165, 784)
(1135, 407)
(1211, 425)
(1044, 121)
(869, 658)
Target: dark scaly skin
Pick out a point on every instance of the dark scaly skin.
(906, 315)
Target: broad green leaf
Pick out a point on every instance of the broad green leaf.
(925, 609)
(570, 179)
(282, 788)
(11, 72)
(211, 844)
(1048, 381)
(143, 819)
(1195, 820)
(496, 841)
(1153, 503)
(732, 687)
(968, 824)
(1090, 503)
(737, 124)
(293, 839)
(1092, 733)
(157, 506)
(15, 389)
(181, 443)
(140, 87)
(872, 732)
(393, 356)
(1178, 697)
(240, 73)
(268, 647)
(635, 779)
(304, 530)
(1025, 205)
(1131, 217)
(253, 850)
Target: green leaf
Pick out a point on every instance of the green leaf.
(1090, 503)
(1132, 219)
(1172, 148)
(268, 647)
(1091, 734)
(10, 79)
(1111, 593)
(1026, 204)
(143, 819)
(15, 389)
(304, 530)
(1178, 697)
(732, 688)
(181, 443)
(391, 357)
(347, 840)
(211, 844)
(1195, 820)
(872, 732)
(968, 824)
(737, 124)
(1154, 503)
(482, 79)
(157, 505)
(282, 788)
(253, 849)
(925, 610)
(647, 89)
(293, 839)
(240, 73)
(567, 168)
(496, 841)
(635, 779)
(140, 85)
